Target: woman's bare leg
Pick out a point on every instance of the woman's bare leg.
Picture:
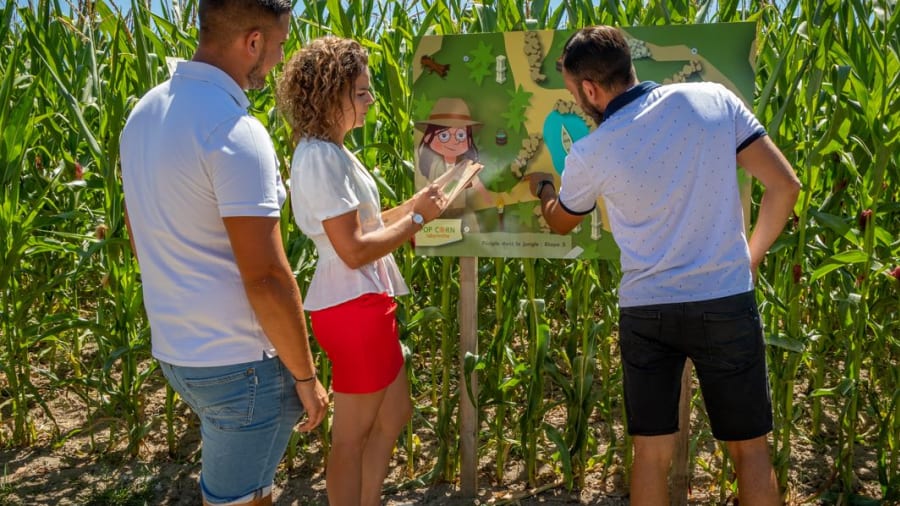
(354, 415)
(395, 411)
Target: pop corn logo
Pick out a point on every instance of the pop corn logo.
(440, 231)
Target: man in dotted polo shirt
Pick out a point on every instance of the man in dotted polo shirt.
(664, 158)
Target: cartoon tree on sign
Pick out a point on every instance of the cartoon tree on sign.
(524, 214)
(422, 106)
(518, 104)
(480, 62)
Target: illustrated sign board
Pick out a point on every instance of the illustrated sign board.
(497, 98)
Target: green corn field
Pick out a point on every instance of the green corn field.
(72, 323)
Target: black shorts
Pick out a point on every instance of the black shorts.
(723, 337)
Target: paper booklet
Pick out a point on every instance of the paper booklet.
(456, 180)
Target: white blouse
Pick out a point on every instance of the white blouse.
(327, 181)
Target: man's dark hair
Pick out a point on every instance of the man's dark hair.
(599, 54)
(222, 20)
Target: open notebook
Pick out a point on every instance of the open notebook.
(454, 181)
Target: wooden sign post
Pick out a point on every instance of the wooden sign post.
(680, 475)
(468, 407)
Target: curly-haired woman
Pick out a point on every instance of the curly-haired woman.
(325, 93)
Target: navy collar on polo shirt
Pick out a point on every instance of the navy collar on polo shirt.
(627, 97)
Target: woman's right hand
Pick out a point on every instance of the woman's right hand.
(429, 202)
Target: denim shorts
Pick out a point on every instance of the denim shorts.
(723, 338)
(247, 414)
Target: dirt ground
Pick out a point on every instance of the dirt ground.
(88, 469)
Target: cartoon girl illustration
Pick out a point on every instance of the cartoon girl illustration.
(448, 144)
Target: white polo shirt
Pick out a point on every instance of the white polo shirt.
(192, 155)
(664, 161)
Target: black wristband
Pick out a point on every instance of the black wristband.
(541, 185)
(304, 380)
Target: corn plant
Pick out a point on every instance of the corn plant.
(828, 76)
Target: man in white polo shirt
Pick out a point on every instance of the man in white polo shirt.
(203, 196)
(664, 158)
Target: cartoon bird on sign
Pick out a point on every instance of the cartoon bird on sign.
(434, 67)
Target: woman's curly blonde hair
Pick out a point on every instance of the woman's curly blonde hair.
(310, 90)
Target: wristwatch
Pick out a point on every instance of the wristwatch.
(418, 219)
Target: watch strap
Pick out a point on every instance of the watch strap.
(541, 185)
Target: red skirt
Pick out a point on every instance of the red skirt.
(362, 341)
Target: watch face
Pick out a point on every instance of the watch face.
(418, 219)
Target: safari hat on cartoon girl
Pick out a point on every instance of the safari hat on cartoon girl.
(449, 112)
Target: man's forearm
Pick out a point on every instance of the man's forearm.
(775, 208)
(559, 221)
(276, 301)
(765, 162)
